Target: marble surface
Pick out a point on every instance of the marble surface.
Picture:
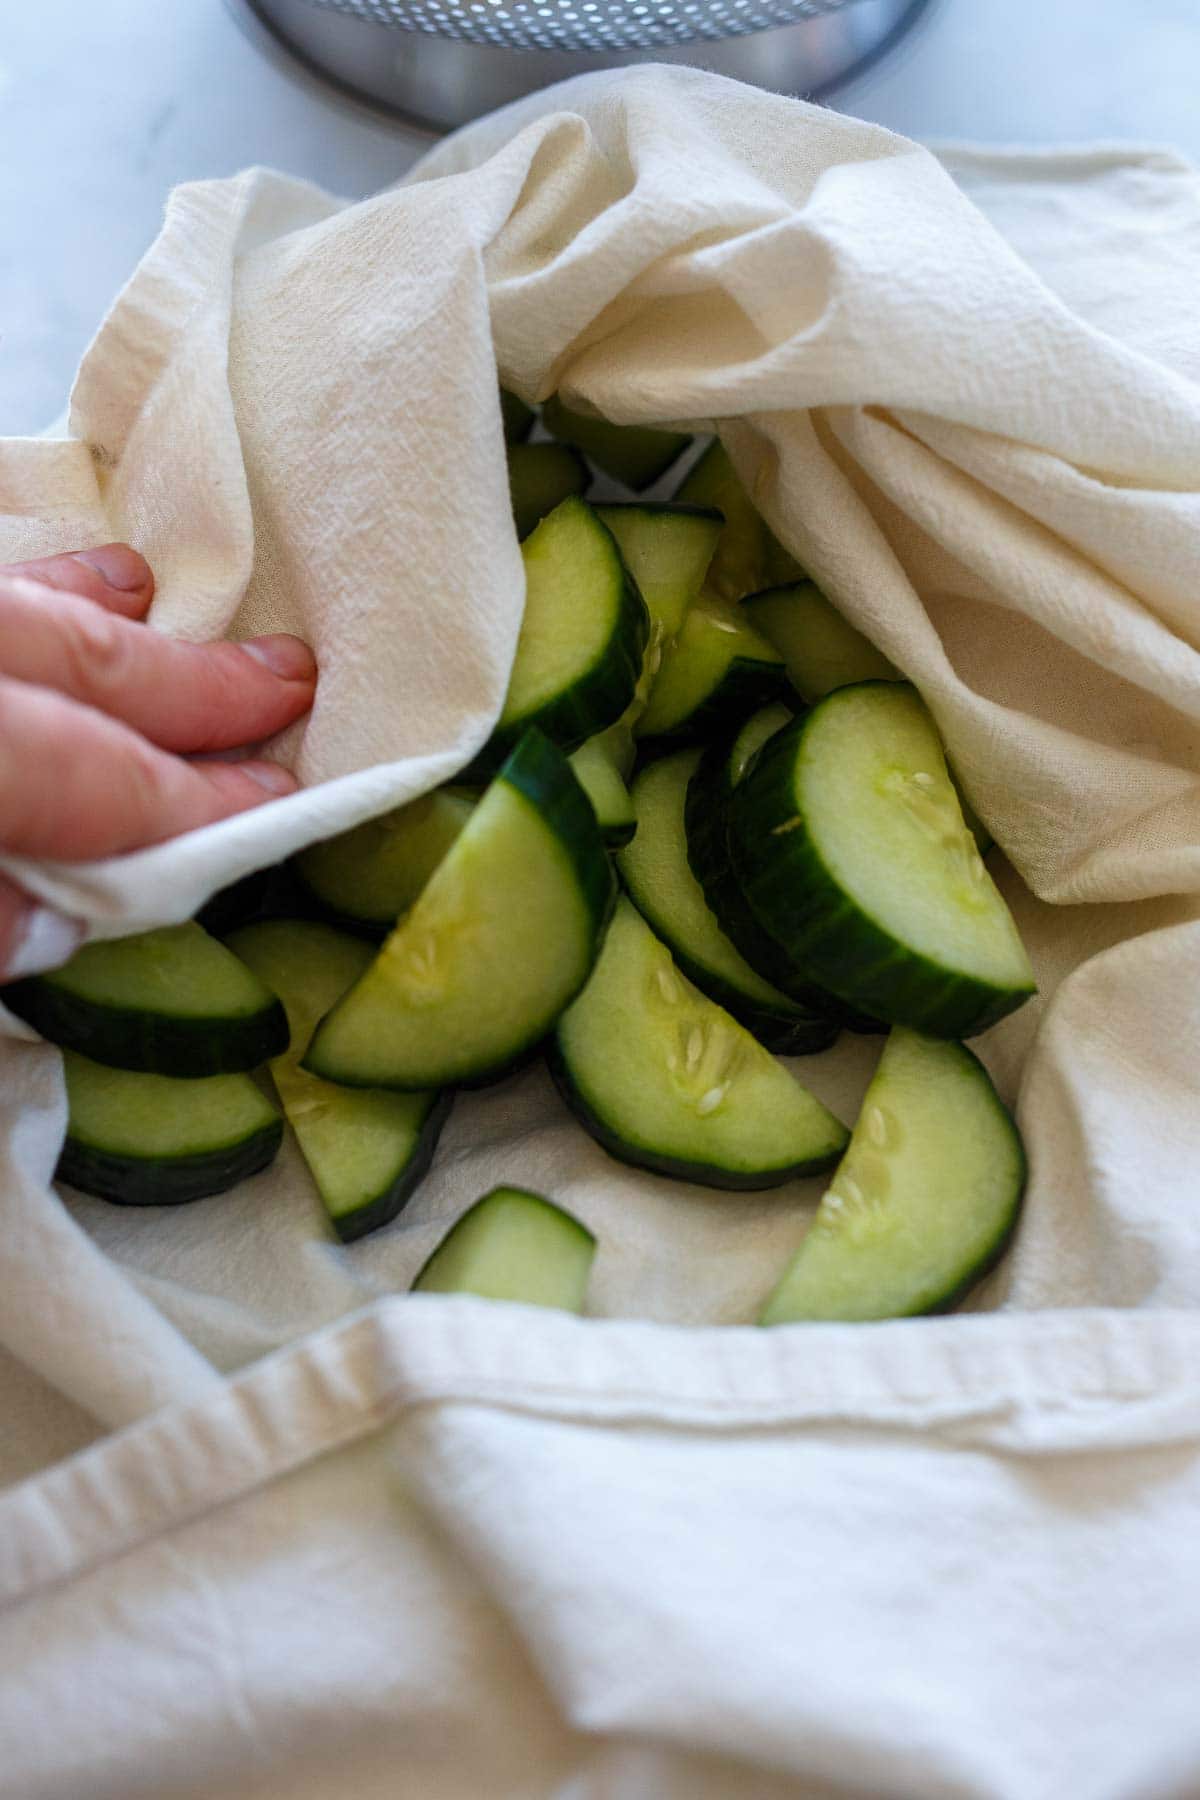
(104, 107)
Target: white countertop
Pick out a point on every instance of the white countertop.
(104, 107)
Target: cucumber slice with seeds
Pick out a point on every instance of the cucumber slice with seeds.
(748, 556)
(583, 636)
(666, 1080)
(718, 668)
(634, 454)
(513, 1245)
(667, 550)
(655, 870)
(367, 1149)
(167, 1002)
(153, 1140)
(851, 848)
(594, 768)
(501, 939)
(541, 477)
(516, 416)
(821, 649)
(366, 877)
(924, 1200)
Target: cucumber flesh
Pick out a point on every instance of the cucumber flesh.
(513, 1245)
(167, 1002)
(656, 873)
(541, 477)
(718, 669)
(748, 556)
(583, 636)
(595, 769)
(924, 1200)
(666, 1080)
(153, 1140)
(368, 876)
(667, 550)
(516, 416)
(501, 939)
(821, 649)
(634, 454)
(366, 1148)
(850, 845)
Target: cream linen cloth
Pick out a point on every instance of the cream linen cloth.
(445, 1549)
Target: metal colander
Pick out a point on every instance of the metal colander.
(437, 63)
(584, 24)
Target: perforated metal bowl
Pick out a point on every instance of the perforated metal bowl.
(440, 62)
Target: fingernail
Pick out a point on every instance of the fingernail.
(270, 776)
(48, 941)
(118, 565)
(286, 656)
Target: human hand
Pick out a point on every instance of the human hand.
(98, 716)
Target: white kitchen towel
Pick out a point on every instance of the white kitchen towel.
(982, 433)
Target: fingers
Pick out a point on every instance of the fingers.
(75, 784)
(111, 575)
(185, 697)
(32, 937)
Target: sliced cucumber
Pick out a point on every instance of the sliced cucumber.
(655, 870)
(667, 550)
(925, 1198)
(152, 1140)
(585, 629)
(166, 1002)
(717, 670)
(366, 877)
(822, 651)
(518, 418)
(665, 1079)
(513, 1245)
(595, 769)
(634, 454)
(366, 1148)
(541, 477)
(748, 556)
(501, 939)
(851, 848)
(705, 815)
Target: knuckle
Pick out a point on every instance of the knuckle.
(99, 650)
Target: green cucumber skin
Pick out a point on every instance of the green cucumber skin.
(830, 937)
(592, 703)
(676, 508)
(660, 450)
(148, 1043)
(744, 687)
(705, 820)
(539, 772)
(387, 1206)
(674, 1168)
(533, 491)
(170, 1181)
(543, 776)
(516, 417)
(992, 1255)
(617, 836)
